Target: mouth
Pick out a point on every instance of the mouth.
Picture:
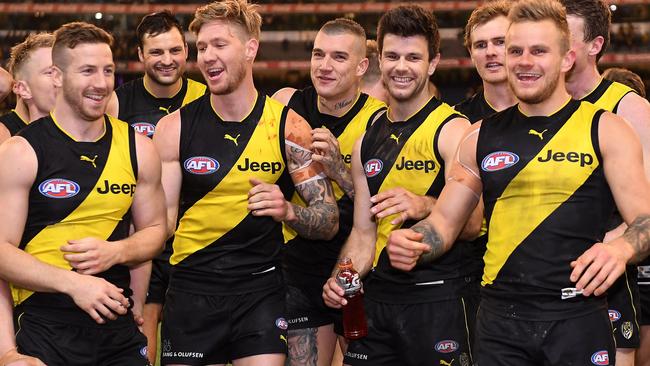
(166, 69)
(325, 79)
(95, 98)
(493, 66)
(214, 72)
(527, 77)
(401, 80)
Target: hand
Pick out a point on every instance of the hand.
(404, 248)
(400, 201)
(98, 297)
(326, 151)
(598, 268)
(333, 294)
(13, 358)
(266, 199)
(137, 311)
(91, 255)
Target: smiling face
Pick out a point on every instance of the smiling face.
(405, 66)
(164, 56)
(487, 49)
(336, 64)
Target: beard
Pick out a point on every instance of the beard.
(540, 95)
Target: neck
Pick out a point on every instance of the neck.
(552, 104)
(583, 82)
(23, 111)
(402, 110)
(499, 96)
(162, 91)
(79, 129)
(238, 104)
(339, 105)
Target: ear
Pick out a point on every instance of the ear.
(57, 76)
(568, 60)
(433, 64)
(21, 89)
(251, 47)
(187, 51)
(596, 45)
(140, 54)
(362, 66)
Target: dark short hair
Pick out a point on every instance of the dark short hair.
(596, 16)
(408, 21)
(157, 23)
(70, 35)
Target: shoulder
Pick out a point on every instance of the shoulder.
(284, 95)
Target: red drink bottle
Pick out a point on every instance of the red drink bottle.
(354, 315)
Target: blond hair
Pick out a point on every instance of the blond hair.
(236, 11)
(484, 14)
(21, 53)
(540, 10)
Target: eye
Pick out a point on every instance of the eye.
(480, 45)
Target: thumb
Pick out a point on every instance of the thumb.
(254, 182)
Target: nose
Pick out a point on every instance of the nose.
(167, 58)
(208, 56)
(326, 64)
(401, 64)
(491, 49)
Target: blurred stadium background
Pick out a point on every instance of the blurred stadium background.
(289, 28)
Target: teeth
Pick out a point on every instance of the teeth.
(493, 64)
(401, 79)
(95, 97)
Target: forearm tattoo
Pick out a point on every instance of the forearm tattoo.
(432, 239)
(345, 181)
(303, 347)
(299, 157)
(319, 219)
(638, 235)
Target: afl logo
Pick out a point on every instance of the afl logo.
(446, 346)
(58, 188)
(144, 128)
(373, 167)
(201, 165)
(499, 160)
(600, 358)
(614, 315)
(281, 323)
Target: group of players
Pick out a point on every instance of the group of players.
(485, 233)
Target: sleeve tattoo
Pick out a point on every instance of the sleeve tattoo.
(319, 219)
(432, 239)
(638, 235)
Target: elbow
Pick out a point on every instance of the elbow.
(332, 232)
(472, 230)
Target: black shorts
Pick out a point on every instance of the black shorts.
(585, 340)
(159, 281)
(210, 329)
(435, 333)
(306, 309)
(624, 309)
(643, 281)
(60, 343)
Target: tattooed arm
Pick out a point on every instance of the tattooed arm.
(328, 153)
(599, 267)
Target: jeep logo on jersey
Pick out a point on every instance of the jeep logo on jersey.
(201, 165)
(255, 166)
(426, 165)
(571, 157)
(499, 160)
(144, 128)
(115, 188)
(614, 315)
(58, 188)
(600, 358)
(446, 346)
(373, 167)
(347, 158)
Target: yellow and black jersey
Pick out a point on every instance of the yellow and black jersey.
(475, 108)
(13, 122)
(82, 189)
(142, 110)
(546, 202)
(314, 260)
(405, 154)
(608, 95)
(219, 245)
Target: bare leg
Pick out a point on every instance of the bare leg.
(625, 356)
(311, 346)
(643, 353)
(152, 314)
(275, 359)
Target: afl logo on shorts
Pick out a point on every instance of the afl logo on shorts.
(201, 165)
(614, 315)
(58, 188)
(499, 160)
(143, 351)
(600, 358)
(446, 346)
(373, 167)
(144, 128)
(281, 323)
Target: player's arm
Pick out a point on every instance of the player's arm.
(93, 255)
(319, 220)
(113, 108)
(328, 154)
(360, 245)
(284, 95)
(8, 352)
(18, 166)
(167, 140)
(597, 269)
(4, 133)
(140, 276)
(432, 237)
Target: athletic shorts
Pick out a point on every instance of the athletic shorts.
(644, 291)
(159, 280)
(435, 333)
(306, 309)
(61, 343)
(624, 309)
(585, 340)
(211, 329)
